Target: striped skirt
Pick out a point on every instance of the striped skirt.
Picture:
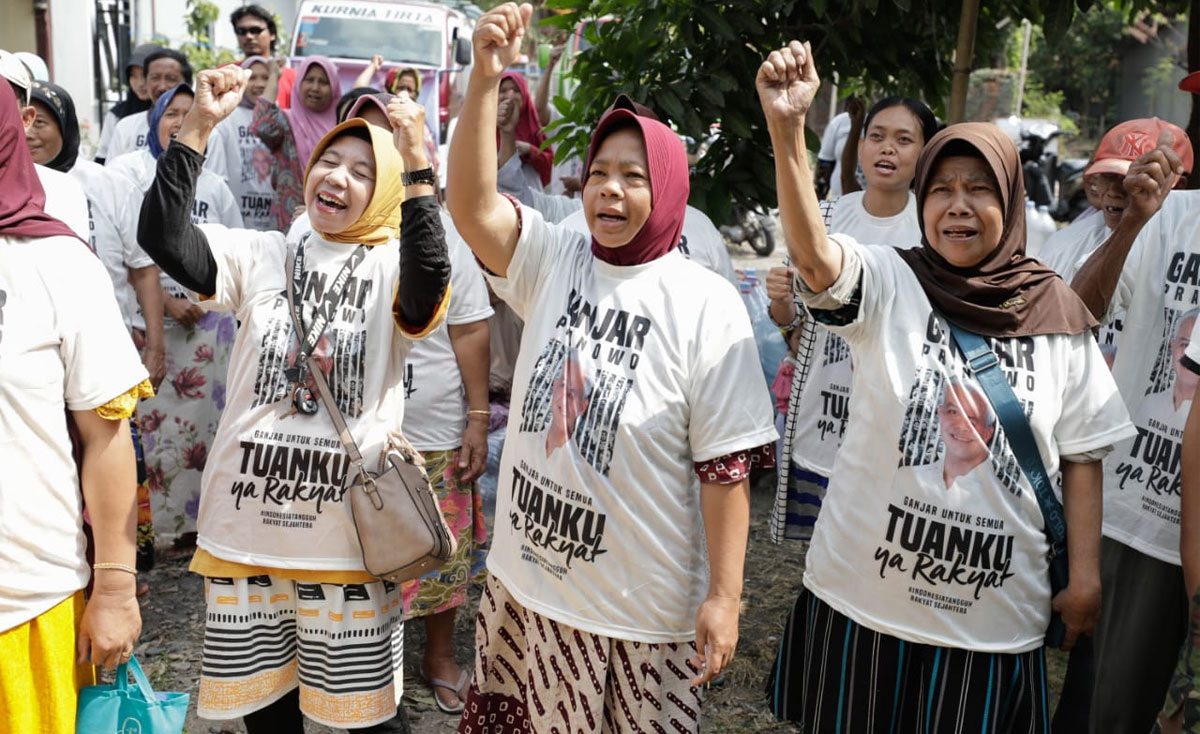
(834, 675)
(341, 644)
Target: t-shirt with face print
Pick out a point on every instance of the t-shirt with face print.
(247, 168)
(1142, 476)
(626, 376)
(273, 487)
(930, 531)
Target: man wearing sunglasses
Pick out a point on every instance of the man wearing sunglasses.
(255, 29)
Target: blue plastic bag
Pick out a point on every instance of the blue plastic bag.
(121, 708)
(771, 346)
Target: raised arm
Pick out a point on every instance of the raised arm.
(849, 160)
(423, 258)
(541, 95)
(787, 82)
(165, 229)
(482, 217)
(1150, 178)
(367, 75)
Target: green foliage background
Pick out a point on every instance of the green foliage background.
(694, 62)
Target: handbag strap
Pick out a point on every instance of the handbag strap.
(139, 677)
(985, 367)
(339, 422)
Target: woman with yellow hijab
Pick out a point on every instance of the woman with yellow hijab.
(294, 623)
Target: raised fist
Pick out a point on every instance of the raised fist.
(498, 37)
(218, 92)
(787, 82)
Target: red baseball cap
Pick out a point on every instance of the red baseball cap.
(1191, 83)
(1124, 143)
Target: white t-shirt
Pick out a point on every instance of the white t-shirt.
(1193, 350)
(61, 341)
(248, 168)
(433, 386)
(825, 403)
(114, 205)
(214, 202)
(833, 142)
(700, 241)
(131, 136)
(1142, 475)
(1068, 249)
(626, 376)
(896, 549)
(272, 493)
(65, 200)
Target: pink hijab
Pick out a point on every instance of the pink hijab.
(669, 188)
(309, 127)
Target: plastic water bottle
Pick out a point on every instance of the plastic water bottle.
(1035, 233)
(1047, 223)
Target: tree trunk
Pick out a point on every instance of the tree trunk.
(1193, 60)
(963, 56)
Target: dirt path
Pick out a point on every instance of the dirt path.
(173, 633)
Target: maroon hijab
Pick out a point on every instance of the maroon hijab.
(22, 200)
(669, 188)
(1008, 293)
(529, 129)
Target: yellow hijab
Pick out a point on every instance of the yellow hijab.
(380, 221)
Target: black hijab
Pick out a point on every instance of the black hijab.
(63, 107)
(132, 105)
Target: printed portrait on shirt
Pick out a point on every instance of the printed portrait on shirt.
(967, 425)
(260, 160)
(340, 353)
(1169, 376)
(950, 424)
(577, 406)
(569, 395)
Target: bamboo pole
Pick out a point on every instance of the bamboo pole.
(963, 56)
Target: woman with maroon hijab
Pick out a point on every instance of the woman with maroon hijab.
(63, 348)
(926, 587)
(638, 409)
(519, 131)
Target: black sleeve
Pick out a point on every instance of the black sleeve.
(424, 262)
(165, 229)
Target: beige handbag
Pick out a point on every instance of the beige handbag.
(396, 514)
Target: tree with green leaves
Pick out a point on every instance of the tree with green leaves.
(694, 63)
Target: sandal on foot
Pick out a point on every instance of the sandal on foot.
(457, 690)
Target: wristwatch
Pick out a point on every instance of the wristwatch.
(424, 175)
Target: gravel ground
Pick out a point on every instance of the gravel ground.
(173, 627)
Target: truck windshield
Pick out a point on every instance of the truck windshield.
(358, 38)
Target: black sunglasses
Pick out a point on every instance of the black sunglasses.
(249, 30)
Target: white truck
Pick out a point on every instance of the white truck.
(434, 39)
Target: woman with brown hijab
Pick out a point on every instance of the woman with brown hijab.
(925, 604)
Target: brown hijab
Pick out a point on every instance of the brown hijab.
(1007, 293)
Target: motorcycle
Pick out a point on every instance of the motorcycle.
(750, 227)
(1050, 182)
(746, 226)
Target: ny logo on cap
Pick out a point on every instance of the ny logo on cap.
(1135, 143)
